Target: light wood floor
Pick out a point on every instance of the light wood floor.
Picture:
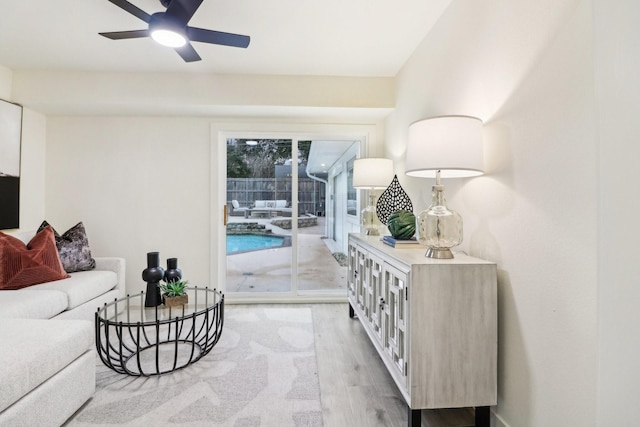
(356, 390)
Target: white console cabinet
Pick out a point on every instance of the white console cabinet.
(433, 322)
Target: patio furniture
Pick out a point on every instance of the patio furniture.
(270, 207)
(238, 210)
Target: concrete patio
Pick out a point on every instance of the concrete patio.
(270, 270)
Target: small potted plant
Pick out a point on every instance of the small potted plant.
(174, 293)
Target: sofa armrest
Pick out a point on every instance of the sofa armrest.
(117, 265)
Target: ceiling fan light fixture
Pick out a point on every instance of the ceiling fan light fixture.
(168, 38)
(170, 28)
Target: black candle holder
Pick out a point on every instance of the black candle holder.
(152, 275)
(172, 273)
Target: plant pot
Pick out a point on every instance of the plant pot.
(175, 301)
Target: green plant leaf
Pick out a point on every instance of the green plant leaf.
(175, 288)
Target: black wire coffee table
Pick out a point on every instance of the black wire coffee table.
(144, 341)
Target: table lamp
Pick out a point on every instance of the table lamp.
(371, 174)
(447, 147)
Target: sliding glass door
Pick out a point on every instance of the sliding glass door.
(287, 216)
(259, 192)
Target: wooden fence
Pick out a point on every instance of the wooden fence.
(311, 193)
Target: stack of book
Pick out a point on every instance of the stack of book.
(392, 241)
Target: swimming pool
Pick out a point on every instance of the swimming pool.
(237, 243)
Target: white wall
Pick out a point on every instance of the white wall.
(617, 53)
(170, 94)
(6, 79)
(526, 69)
(139, 184)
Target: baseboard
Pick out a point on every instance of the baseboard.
(280, 298)
(497, 420)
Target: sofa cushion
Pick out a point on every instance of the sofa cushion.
(82, 286)
(37, 262)
(55, 401)
(34, 350)
(29, 304)
(73, 248)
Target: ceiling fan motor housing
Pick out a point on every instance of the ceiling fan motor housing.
(167, 31)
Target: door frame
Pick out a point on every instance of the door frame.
(220, 132)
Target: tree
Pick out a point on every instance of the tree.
(250, 158)
(236, 165)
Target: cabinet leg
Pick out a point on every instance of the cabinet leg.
(352, 313)
(482, 416)
(414, 418)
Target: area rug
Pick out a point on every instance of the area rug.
(262, 373)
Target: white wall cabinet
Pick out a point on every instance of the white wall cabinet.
(433, 322)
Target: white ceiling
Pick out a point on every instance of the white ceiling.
(324, 154)
(288, 37)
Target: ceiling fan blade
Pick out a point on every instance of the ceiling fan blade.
(217, 37)
(134, 10)
(120, 35)
(188, 53)
(181, 11)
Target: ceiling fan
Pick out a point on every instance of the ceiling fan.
(170, 28)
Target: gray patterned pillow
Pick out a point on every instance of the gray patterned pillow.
(73, 248)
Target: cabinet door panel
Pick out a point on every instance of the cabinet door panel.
(396, 316)
(376, 294)
(361, 277)
(352, 272)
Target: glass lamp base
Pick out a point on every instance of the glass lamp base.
(439, 253)
(440, 228)
(373, 231)
(370, 222)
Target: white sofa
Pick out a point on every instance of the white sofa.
(271, 207)
(47, 355)
(77, 297)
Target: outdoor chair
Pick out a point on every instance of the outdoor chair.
(237, 210)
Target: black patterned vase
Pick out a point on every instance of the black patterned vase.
(172, 273)
(393, 199)
(152, 275)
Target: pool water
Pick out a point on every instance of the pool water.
(251, 242)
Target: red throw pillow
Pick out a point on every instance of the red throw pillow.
(37, 262)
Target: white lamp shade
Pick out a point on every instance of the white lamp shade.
(450, 144)
(372, 173)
